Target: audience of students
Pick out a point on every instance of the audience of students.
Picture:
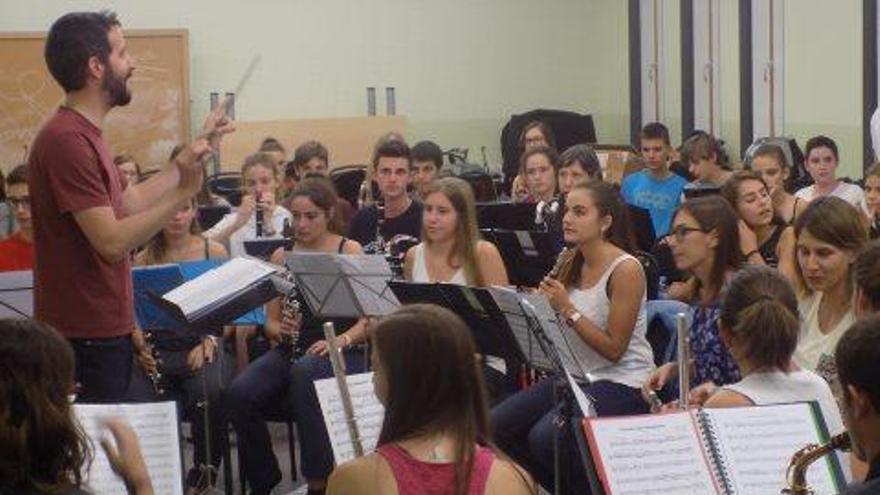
(259, 183)
(821, 162)
(275, 149)
(536, 134)
(703, 154)
(655, 188)
(17, 250)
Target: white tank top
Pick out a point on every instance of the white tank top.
(637, 361)
(420, 270)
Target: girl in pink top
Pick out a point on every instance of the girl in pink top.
(435, 436)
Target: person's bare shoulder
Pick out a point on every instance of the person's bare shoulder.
(365, 475)
(506, 477)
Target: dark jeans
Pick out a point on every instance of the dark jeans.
(316, 453)
(103, 368)
(526, 424)
(190, 389)
(273, 388)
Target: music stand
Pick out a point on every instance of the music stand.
(17, 294)
(506, 215)
(210, 215)
(263, 248)
(475, 306)
(528, 255)
(343, 285)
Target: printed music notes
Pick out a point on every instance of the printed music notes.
(157, 430)
(368, 413)
(656, 454)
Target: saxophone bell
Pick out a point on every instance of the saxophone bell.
(796, 475)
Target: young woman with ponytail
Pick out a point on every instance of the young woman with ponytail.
(759, 326)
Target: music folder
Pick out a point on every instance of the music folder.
(17, 294)
(343, 285)
(221, 294)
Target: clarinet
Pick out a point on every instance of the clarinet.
(259, 216)
(155, 376)
(291, 308)
(379, 243)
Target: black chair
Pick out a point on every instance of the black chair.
(226, 185)
(348, 180)
(482, 184)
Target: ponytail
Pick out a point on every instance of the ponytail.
(767, 331)
(759, 308)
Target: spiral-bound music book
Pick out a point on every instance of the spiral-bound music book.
(742, 450)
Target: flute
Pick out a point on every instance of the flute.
(338, 364)
(684, 380)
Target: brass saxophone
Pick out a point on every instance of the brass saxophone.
(796, 475)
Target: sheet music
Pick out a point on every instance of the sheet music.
(550, 324)
(508, 302)
(229, 278)
(368, 412)
(344, 285)
(17, 294)
(157, 430)
(651, 454)
(756, 444)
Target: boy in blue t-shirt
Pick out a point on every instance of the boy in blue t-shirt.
(655, 188)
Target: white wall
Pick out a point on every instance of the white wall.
(461, 67)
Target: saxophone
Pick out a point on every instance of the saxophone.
(796, 475)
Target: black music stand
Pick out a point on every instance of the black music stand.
(210, 215)
(506, 215)
(528, 255)
(475, 306)
(264, 248)
(17, 294)
(343, 285)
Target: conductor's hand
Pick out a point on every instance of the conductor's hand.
(217, 124)
(660, 377)
(191, 167)
(556, 293)
(125, 458)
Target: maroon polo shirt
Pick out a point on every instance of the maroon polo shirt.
(70, 169)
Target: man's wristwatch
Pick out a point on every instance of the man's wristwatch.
(572, 318)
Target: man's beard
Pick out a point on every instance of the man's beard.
(116, 89)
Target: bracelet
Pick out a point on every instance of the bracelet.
(752, 253)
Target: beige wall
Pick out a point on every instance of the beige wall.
(460, 67)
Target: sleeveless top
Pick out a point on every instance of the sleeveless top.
(312, 329)
(768, 248)
(415, 477)
(815, 350)
(420, 269)
(712, 360)
(637, 361)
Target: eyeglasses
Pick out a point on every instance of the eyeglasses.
(21, 201)
(680, 232)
